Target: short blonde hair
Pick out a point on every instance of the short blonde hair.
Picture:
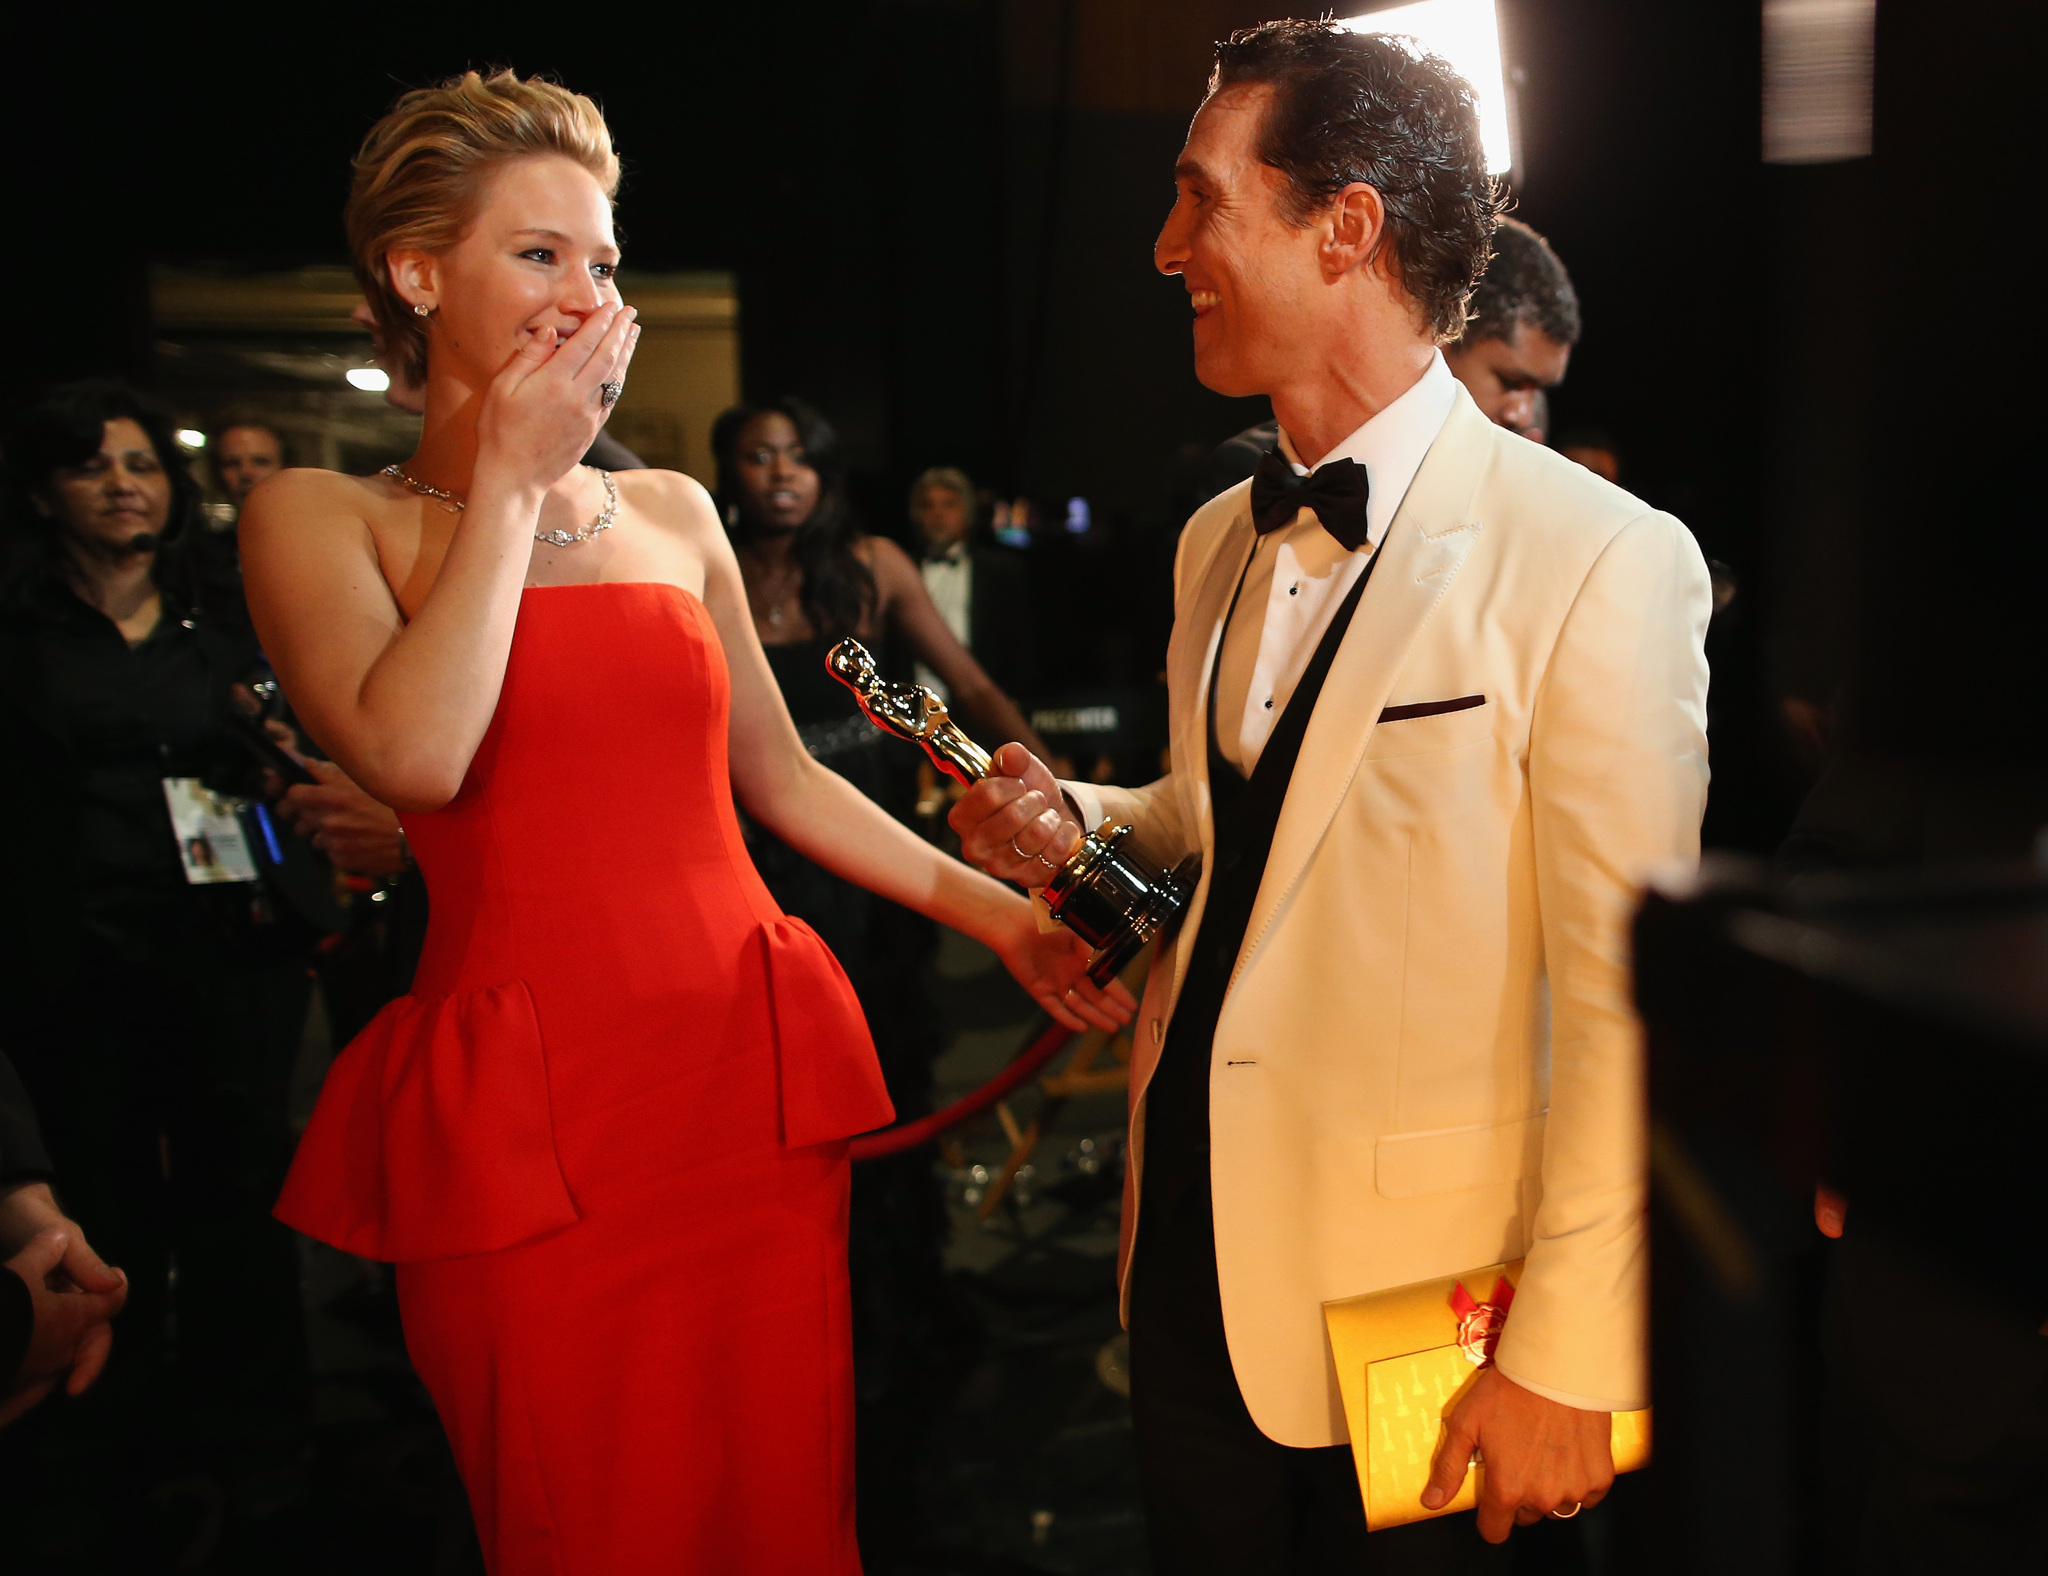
(422, 170)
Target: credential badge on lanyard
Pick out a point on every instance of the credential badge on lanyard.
(210, 842)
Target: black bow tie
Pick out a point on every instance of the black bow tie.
(1337, 493)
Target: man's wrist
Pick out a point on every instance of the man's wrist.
(1580, 1403)
(1083, 803)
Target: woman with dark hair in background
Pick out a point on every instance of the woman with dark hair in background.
(812, 578)
(152, 1001)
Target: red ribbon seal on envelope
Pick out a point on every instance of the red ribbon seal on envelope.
(1480, 1323)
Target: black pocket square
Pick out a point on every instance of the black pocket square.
(1431, 708)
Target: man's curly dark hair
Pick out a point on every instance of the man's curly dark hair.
(1356, 107)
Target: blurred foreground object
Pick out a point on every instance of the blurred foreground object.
(1872, 1404)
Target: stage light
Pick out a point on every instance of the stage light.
(1467, 34)
(192, 438)
(371, 380)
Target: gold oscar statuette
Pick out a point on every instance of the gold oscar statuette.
(1105, 894)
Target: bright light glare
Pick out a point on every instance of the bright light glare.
(1467, 34)
(192, 438)
(371, 380)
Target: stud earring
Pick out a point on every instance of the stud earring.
(421, 309)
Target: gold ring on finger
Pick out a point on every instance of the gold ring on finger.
(1566, 1515)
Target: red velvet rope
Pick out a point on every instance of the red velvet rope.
(894, 1140)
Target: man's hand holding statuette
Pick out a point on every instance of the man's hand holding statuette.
(1015, 824)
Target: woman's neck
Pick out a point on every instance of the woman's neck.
(120, 583)
(770, 549)
(446, 456)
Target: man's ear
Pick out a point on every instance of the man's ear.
(415, 276)
(1357, 221)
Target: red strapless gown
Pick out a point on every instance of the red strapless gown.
(603, 1139)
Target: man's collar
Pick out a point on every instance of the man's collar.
(955, 554)
(1418, 413)
(1391, 444)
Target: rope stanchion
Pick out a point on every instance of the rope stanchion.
(894, 1140)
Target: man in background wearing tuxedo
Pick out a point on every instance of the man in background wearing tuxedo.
(1436, 711)
(981, 592)
(1525, 321)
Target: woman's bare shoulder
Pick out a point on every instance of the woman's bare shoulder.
(304, 497)
(672, 502)
(672, 487)
(890, 564)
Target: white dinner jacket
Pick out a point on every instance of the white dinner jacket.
(1427, 1060)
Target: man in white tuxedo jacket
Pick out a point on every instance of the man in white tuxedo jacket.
(1438, 710)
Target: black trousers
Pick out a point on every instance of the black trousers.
(1219, 1495)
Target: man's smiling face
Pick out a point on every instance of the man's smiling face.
(1252, 277)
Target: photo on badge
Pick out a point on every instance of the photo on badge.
(210, 842)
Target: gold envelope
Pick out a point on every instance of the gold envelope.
(1400, 1368)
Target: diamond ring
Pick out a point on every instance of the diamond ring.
(608, 393)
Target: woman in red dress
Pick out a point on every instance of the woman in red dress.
(604, 1137)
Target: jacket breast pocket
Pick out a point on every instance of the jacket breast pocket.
(1413, 1165)
(1425, 727)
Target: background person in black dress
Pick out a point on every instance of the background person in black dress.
(154, 1020)
(812, 578)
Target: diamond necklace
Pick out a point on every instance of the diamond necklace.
(553, 538)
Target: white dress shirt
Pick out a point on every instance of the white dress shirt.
(1299, 575)
(949, 577)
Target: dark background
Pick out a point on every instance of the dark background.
(940, 215)
(938, 231)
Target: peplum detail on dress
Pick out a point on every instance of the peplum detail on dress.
(825, 1057)
(433, 1136)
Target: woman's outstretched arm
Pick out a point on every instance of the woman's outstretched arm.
(401, 705)
(830, 822)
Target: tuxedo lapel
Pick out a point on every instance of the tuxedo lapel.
(1425, 545)
(1194, 664)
